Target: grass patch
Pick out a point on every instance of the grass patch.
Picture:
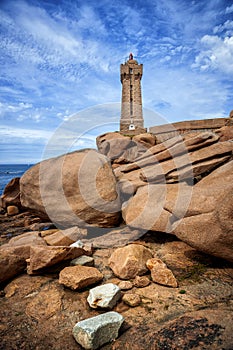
(193, 273)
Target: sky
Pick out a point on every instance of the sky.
(60, 60)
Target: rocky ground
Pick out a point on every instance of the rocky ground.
(37, 312)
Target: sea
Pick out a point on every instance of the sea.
(9, 171)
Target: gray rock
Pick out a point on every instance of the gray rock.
(105, 296)
(99, 330)
(83, 260)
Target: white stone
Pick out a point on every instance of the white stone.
(105, 296)
(77, 244)
(83, 260)
(99, 330)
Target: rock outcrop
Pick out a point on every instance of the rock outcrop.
(225, 133)
(73, 190)
(200, 215)
(27, 239)
(122, 149)
(11, 194)
(147, 209)
(183, 161)
(157, 195)
(208, 222)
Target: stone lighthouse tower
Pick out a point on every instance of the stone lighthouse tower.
(131, 103)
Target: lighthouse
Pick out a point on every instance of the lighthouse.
(131, 102)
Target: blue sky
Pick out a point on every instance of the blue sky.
(61, 59)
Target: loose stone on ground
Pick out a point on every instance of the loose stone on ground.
(125, 285)
(130, 261)
(99, 330)
(141, 281)
(131, 299)
(105, 296)
(83, 260)
(79, 277)
(160, 273)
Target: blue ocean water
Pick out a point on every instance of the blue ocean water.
(9, 171)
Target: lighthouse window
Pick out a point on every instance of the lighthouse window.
(131, 70)
(131, 87)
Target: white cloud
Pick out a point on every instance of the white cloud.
(229, 9)
(4, 107)
(90, 21)
(22, 135)
(51, 44)
(216, 53)
(227, 26)
(181, 94)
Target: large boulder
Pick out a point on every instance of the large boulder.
(11, 194)
(113, 144)
(208, 222)
(157, 207)
(122, 149)
(73, 190)
(200, 215)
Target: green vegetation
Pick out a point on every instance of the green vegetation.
(193, 273)
(182, 291)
